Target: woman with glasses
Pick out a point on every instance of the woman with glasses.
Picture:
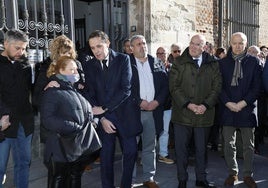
(175, 51)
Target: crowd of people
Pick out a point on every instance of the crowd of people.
(179, 98)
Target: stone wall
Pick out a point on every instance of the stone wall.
(169, 22)
(263, 20)
(164, 22)
(173, 21)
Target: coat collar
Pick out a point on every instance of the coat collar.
(150, 60)
(186, 57)
(111, 55)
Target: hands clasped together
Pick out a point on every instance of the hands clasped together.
(236, 107)
(149, 106)
(197, 109)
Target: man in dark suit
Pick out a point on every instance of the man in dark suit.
(108, 88)
(150, 89)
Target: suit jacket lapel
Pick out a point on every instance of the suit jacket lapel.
(151, 63)
(97, 64)
(111, 57)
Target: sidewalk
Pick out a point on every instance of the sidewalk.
(165, 176)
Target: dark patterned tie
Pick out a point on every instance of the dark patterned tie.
(196, 61)
(104, 68)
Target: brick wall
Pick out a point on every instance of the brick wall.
(207, 19)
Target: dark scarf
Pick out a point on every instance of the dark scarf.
(238, 71)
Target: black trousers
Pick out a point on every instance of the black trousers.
(64, 175)
(183, 136)
(68, 174)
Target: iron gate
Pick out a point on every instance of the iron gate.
(42, 20)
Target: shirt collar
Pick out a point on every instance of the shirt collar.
(198, 58)
(107, 60)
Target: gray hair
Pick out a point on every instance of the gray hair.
(242, 35)
(135, 37)
(16, 35)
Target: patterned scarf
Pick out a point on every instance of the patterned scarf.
(238, 71)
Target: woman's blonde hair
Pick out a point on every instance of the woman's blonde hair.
(54, 68)
(60, 45)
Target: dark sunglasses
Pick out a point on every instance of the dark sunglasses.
(176, 51)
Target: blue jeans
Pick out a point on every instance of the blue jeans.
(163, 139)
(21, 152)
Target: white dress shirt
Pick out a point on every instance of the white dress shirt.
(107, 62)
(147, 90)
(199, 60)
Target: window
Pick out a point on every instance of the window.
(243, 16)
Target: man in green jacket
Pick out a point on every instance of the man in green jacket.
(195, 83)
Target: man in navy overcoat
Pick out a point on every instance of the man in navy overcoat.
(108, 88)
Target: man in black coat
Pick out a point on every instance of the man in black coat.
(15, 86)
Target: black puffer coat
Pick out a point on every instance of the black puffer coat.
(63, 111)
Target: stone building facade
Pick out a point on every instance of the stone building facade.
(164, 22)
(263, 18)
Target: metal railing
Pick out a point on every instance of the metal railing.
(42, 20)
(243, 16)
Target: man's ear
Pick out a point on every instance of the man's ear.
(5, 43)
(230, 42)
(108, 43)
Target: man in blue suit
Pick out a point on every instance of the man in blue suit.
(150, 88)
(108, 88)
